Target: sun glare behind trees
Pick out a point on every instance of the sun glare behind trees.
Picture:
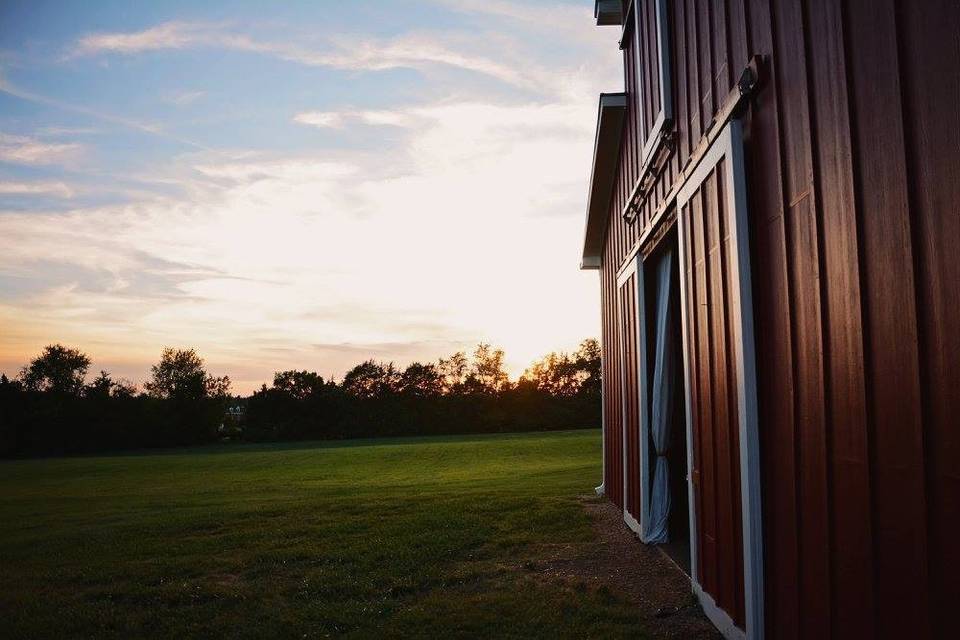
(50, 408)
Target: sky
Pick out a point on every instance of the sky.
(296, 185)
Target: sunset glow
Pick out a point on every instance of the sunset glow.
(298, 192)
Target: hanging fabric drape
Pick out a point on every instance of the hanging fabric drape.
(661, 404)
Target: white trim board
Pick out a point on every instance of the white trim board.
(720, 619)
(631, 270)
(602, 489)
(729, 145)
(643, 420)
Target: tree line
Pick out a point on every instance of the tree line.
(50, 408)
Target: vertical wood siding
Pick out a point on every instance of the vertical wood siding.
(853, 174)
(710, 272)
(610, 380)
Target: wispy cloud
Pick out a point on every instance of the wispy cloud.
(27, 150)
(183, 98)
(357, 53)
(169, 35)
(555, 18)
(58, 189)
(129, 123)
(339, 119)
(67, 131)
(322, 119)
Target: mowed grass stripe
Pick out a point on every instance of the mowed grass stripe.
(414, 538)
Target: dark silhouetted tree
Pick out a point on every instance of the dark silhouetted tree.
(58, 369)
(180, 374)
(372, 379)
(487, 374)
(101, 386)
(194, 401)
(587, 359)
(49, 410)
(298, 384)
(556, 374)
(453, 372)
(562, 374)
(421, 380)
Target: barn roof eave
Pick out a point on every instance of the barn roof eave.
(608, 12)
(606, 148)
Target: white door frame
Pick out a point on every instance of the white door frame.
(630, 270)
(729, 145)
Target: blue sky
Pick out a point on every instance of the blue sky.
(299, 185)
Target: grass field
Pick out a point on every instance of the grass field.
(413, 538)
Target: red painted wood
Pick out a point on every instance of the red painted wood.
(704, 419)
(717, 309)
(774, 342)
(894, 402)
(852, 154)
(802, 239)
(929, 49)
(679, 40)
(694, 44)
(691, 338)
(850, 524)
(714, 404)
(731, 283)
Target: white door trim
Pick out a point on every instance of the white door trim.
(729, 145)
(630, 270)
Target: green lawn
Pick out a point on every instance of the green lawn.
(417, 537)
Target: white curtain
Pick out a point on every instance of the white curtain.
(661, 403)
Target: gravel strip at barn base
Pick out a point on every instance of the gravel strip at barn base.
(616, 560)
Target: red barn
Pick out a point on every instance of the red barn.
(774, 201)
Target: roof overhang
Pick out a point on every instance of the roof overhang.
(608, 12)
(606, 152)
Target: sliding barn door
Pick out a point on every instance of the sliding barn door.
(717, 312)
(628, 315)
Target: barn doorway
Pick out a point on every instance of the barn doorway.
(666, 518)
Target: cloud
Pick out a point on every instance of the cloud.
(67, 131)
(31, 151)
(554, 18)
(58, 189)
(338, 119)
(441, 238)
(322, 119)
(461, 225)
(357, 53)
(169, 35)
(144, 127)
(183, 98)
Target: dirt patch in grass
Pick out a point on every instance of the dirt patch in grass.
(616, 562)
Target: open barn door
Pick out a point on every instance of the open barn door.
(721, 405)
(629, 327)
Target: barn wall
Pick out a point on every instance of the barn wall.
(710, 281)
(853, 174)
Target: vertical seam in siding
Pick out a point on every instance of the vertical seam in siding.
(791, 319)
(916, 247)
(862, 282)
(825, 357)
